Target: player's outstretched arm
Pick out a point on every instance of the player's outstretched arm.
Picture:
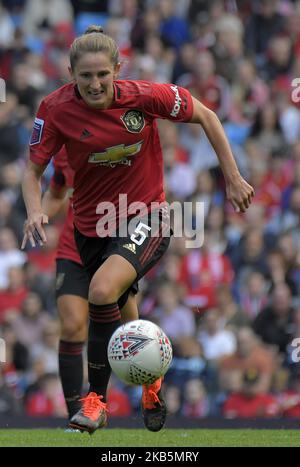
(238, 191)
(31, 188)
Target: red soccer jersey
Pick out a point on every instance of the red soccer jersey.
(113, 151)
(63, 177)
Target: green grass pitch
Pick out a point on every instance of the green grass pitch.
(140, 437)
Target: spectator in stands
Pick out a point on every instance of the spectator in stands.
(201, 272)
(188, 363)
(173, 399)
(40, 13)
(215, 341)
(207, 86)
(9, 404)
(249, 89)
(293, 184)
(46, 351)
(29, 324)
(12, 297)
(248, 403)
(179, 176)
(174, 29)
(266, 128)
(250, 354)
(288, 244)
(254, 294)
(56, 48)
(215, 226)
(228, 47)
(280, 55)
(90, 6)
(10, 143)
(175, 319)
(232, 316)
(273, 324)
(22, 88)
(16, 365)
(118, 402)
(207, 191)
(145, 26)
(277, 270)
(289, 400)
(264, 23)
(250, 255)
(9, 217)
(195, 401)
(47, 400)
(6, 27)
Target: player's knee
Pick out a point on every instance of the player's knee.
(102, 294)
(74, 329)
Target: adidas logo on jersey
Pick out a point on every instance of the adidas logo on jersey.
(131, 247)
(85, 134)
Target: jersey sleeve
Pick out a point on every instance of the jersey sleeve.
(169, 101)
(46, 139)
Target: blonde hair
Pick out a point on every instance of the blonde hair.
(93, 40)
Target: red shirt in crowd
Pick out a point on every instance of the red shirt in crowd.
(201, 272)
(240, 406)
(11, 300)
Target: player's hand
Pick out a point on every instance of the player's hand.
(239, 193)
(33, 230)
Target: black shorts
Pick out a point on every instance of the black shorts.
(71, 279)
(139, 247)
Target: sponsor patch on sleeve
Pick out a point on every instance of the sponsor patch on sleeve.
(177, 102)
(37, 131)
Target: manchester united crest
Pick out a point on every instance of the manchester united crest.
(133, 120)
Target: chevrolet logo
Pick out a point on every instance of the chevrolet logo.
(115, 153)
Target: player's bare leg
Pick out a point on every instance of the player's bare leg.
(130, 311)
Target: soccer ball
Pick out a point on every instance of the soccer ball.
(139, 352)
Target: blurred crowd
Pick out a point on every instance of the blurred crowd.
(231, 308)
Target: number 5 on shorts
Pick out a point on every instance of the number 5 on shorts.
(139, 232)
